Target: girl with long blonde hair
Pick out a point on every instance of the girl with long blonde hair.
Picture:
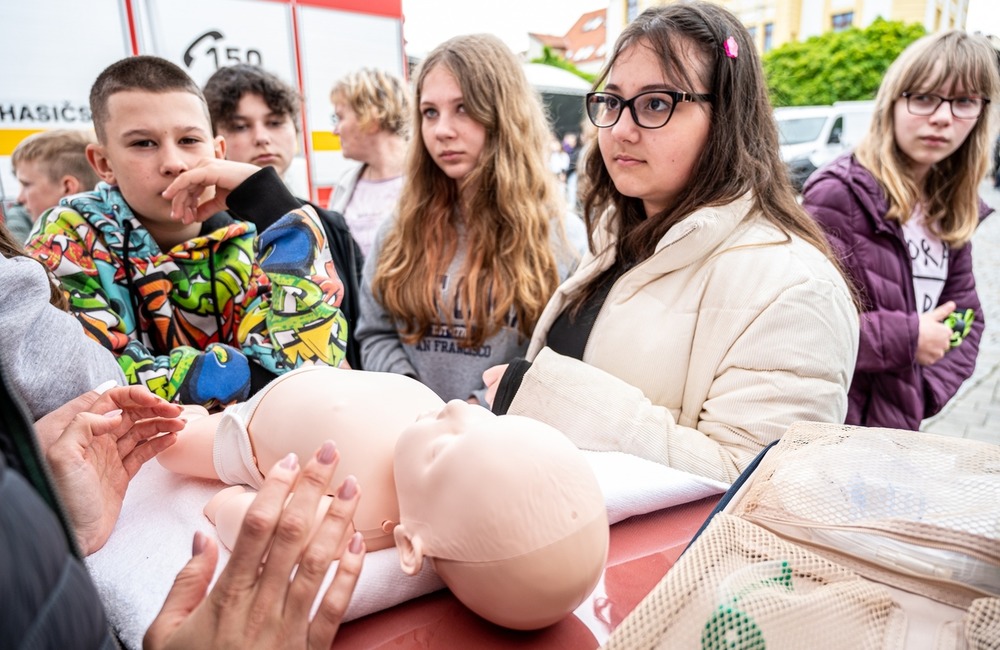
(901, 211)
(458, 278)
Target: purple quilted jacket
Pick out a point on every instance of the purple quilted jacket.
(890, 389)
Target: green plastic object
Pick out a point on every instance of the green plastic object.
(960, 323)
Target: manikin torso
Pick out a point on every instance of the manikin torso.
(363, 412)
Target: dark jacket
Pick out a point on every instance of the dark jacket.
(47, 599)
(890, 389)
(263, 208)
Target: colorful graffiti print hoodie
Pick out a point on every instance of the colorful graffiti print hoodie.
(208, 321)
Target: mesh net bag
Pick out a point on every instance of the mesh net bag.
(917, 511)
(842, 537)
(982, 624)
(740, 586)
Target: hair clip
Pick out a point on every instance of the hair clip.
(731, 47)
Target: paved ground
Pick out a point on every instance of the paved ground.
(975, 412)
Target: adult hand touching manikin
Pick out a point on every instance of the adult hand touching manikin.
(255, 603)
(135, 403)
(98, 451)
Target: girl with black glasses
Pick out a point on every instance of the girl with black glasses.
(901, 211)
(709, 315)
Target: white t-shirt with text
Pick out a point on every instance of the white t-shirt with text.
(928, 259)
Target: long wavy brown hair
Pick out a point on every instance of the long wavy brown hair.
(9, 247)
(741, 154)
(506, 206)
(950, 192)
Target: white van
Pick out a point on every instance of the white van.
(811, 136)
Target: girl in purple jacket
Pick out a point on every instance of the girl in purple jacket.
(900, 212)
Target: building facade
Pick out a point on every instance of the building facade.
(774, 22)
(584, 45)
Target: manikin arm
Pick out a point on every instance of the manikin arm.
(228, 508)
(192, 453)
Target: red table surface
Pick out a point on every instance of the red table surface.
(642, 549)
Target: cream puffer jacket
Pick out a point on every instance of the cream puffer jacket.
(705, 352)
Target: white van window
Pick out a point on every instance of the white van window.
(799, 130)
(837, 131)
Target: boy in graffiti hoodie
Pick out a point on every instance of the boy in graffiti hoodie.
(198, 312)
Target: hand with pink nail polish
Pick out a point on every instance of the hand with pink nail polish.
(257, 602)
(99, 442)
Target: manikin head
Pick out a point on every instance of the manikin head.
(508, 510)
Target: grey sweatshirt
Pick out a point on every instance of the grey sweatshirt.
(47, 356)
(437, 360)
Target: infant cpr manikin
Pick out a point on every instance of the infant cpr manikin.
(506, 509)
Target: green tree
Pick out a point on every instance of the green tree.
(836, 66)
(548, 57)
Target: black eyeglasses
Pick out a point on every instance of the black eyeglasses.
(962, 108)
(650, 110)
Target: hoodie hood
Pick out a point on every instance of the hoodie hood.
(107, 212)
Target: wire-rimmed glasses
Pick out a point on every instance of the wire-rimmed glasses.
(962, 108)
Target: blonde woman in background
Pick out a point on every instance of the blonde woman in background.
(371, 110)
